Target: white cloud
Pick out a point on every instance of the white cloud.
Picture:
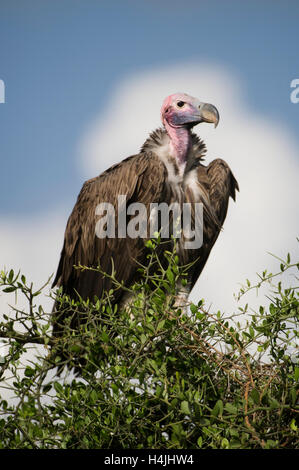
(261, 152)
(32, 245)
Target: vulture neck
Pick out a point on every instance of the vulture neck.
(180, 142)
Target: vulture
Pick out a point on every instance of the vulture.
(168, 169)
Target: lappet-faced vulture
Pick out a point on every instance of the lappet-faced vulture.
(169, 169)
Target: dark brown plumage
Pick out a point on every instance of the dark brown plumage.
(156, 174)
(139, 178)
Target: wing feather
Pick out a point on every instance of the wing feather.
(141, 179)
(218, 181)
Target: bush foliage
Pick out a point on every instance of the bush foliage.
(151, 375)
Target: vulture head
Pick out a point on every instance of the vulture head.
(182, 110)
(179, 113)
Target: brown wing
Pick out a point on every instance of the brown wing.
(218, 181)
(141, 179)
(223, 185)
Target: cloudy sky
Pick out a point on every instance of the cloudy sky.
(84, 82)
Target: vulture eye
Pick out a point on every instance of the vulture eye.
(180, 104)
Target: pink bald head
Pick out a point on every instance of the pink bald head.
(182, 110)
(169, 100)
(179, 113)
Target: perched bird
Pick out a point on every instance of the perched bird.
(169, 169)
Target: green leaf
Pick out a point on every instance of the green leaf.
(293, 425)
(251, 332)
(231, 408)
(185, 407)
(149, 244)
(29, 372)
(105, 337)
(193, 308)
(255, 396)
(224, 443)
(272, 309)
(169, 275)
(115, 388)
(10, 275)
(218, 408)
(274, 403)
(143, 338)
(58, 388)
(75, 348)
(293, 394)
(9, 289)
(160, 325)
(47, 388)
(94, 396)
(270, 444)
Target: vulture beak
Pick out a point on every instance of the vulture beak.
(209, 113)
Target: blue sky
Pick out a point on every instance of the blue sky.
(62, 59)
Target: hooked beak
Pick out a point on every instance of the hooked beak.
(209, 113)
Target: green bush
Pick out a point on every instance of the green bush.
(152, 375)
